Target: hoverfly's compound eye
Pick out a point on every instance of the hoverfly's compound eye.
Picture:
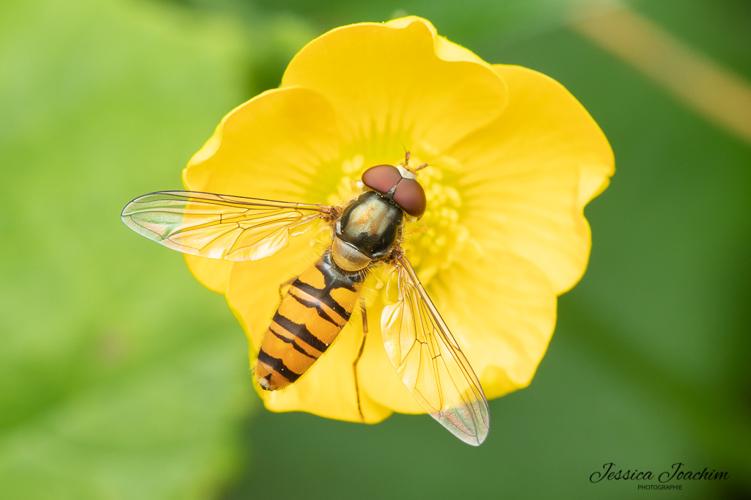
(411, 197)
(381, 178)
(406, 192)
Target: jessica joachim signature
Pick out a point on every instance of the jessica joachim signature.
(677, 472)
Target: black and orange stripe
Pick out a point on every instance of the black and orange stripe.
(316, 307)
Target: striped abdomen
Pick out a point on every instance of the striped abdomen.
(312, 313)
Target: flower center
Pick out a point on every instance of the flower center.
(433, 242)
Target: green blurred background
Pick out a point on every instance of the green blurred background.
(122, 378)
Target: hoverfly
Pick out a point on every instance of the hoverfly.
(319, 302)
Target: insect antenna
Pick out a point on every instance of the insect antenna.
(405, 164)
(417, 168)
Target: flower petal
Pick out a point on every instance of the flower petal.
(212, 273)
(398, 85)
(528, 175)
(327, 388)
(272, 146)
(275, 146)
(503, 316)
(501, 310)
(445, 48)
(379, 378)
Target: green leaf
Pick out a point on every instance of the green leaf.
(120, 376)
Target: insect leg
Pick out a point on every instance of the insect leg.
(285, 286)
(364, 314)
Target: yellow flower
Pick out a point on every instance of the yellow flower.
(514, 158)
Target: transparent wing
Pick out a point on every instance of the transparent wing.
(220, 226)
(429, 361)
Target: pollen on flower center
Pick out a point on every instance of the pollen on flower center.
(432, 242)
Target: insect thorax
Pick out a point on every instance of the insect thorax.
(366, 231)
